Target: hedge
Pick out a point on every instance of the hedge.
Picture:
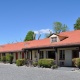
(76, 62)
(46, 62)
(20, 62)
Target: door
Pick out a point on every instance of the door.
(22, 55)
(16, 55)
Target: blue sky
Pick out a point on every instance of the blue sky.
(17, 17)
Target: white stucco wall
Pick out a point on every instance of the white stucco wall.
(68, 57)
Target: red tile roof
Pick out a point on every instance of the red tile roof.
(14, 47)
(72, 38)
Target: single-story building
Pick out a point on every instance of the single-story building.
(61, 47)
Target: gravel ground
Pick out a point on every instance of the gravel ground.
(12, 72)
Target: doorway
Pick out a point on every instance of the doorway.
(51, 54)
(75, 54)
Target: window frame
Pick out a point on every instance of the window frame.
(62, 55)
(53, 39)
(41, 54)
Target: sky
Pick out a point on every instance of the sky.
(17, 17)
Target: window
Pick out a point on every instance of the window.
(51, 54)
(54, 39)
(28, 55)
(41, 55)
(62, 55)
(3, 54)
(11, 53)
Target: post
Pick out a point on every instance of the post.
(79, 52)
(38, 55)
(25, 54)
(56, 53)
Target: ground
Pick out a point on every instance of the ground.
(12, 72)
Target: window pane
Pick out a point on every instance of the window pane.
(41, 55)
(62, 55)
(54, 39)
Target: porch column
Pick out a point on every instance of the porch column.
(25, 54)
(56, 53)
(31, 55)
(79, 52)
(37, 55)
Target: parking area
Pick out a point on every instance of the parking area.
(12, 72)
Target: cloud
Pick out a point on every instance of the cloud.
(43, 31)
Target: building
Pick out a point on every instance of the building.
(61, 47)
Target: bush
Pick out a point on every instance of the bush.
(76, 62)
(20, 62)
(9, 58)
(3, 59)
(35, 64)
(46, 63)
(54, 66)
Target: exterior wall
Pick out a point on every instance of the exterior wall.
(37, 54)
(68, 56)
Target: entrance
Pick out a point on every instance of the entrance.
(51, 54)
(75, 54)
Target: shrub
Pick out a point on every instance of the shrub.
(9, 58)
(3, 59)
(54, 66)
(46, 62)
(35, 64)
(76, 62)
(20, 62)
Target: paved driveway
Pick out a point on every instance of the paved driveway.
(12, 72)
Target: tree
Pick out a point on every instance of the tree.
(30, 36)
(47, 35)
(77, 24)
(59, 27)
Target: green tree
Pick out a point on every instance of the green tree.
(59, 27)
(77, 24)
(47, 35)
(30, 36)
